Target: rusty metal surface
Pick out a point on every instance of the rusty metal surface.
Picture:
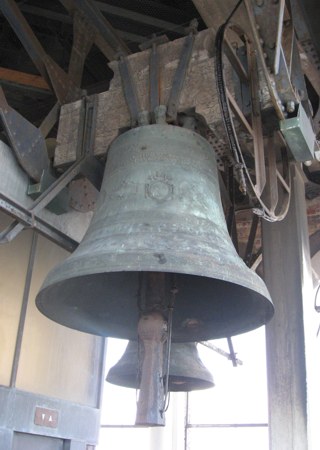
(159, 210)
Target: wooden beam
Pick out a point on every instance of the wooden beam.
(22, 78)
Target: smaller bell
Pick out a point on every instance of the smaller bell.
(186, 370)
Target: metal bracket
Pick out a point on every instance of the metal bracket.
(129, 88)
(60, 204)
(28, 217)
(92, 168)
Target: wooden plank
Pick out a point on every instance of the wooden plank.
(22, 78)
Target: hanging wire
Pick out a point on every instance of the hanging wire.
(317, 307)
(166, 400)
(224, 104)
(239, 162)
(139, 365)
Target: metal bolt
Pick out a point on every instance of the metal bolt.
(317, 155)
(290, 106)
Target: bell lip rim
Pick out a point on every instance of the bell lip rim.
(154, 268)
(267, 305)
(204, 384)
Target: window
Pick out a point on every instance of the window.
(231, 415)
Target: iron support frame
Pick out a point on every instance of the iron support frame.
(24, 218)
(86, 164)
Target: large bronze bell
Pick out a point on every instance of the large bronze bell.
(186, 370)
(158, 236)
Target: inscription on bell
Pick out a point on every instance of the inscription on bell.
(125, 190)
(159, 188)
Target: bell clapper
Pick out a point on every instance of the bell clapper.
(166, 397)
(152, 330)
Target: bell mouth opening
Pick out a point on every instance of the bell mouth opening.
(107, 304)
(176, 383)
(188, 384)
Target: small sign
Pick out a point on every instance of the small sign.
(46, 417)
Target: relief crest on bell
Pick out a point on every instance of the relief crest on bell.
(159, 187)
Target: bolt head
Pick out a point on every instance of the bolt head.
(290, 106)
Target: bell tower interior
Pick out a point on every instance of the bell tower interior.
(160, 223)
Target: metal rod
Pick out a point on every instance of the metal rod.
(102, 369)
(23, 311)
(186, 421)
(154, 78)
(220, 351)
(226, 425)
(179, 76)
(167, 362)
(232, 353)
(129, 90)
